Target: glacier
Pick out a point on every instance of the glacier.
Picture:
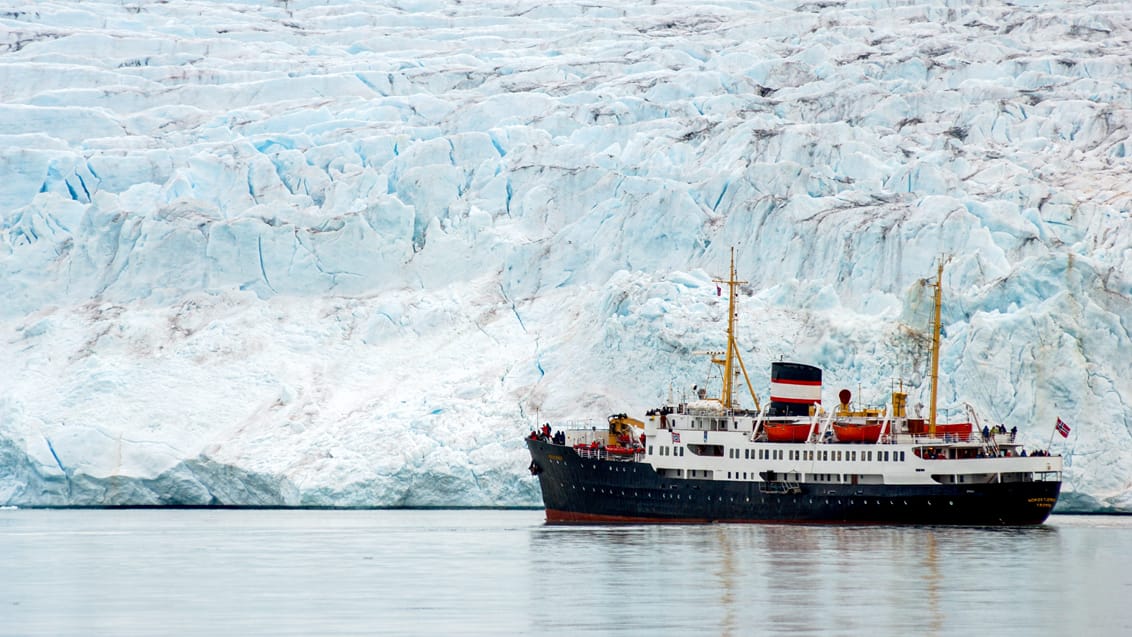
(335, 253)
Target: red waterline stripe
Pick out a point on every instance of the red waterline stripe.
(556, 515)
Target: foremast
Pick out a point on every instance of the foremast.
(732, 354)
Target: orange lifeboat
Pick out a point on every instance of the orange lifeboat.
(958, 430)
(787, 431)
(618, 450)
(866, 432)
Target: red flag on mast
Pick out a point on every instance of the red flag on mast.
(1062, 428)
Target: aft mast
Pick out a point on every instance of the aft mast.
(935, 347)
(732, 354)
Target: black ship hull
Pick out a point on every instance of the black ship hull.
(576, 489)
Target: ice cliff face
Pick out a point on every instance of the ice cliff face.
(344, 253)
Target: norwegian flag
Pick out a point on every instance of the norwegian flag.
(1062, 428)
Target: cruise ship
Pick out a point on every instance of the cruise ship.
(792, 460)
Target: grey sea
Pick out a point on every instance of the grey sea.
(490, 572)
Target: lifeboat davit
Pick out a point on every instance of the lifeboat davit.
(787, 431)
(866, 432)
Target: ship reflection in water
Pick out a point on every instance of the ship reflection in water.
(740, 579)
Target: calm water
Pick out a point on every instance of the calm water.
(218, 572)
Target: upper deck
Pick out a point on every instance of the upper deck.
(733, 446)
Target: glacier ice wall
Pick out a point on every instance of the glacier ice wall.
(333, 253)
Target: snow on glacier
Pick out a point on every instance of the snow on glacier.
(332, 253)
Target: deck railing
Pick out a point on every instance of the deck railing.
(600, 453)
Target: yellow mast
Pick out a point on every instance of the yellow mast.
(935, 347)
(732, 349)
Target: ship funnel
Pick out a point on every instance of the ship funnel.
(794, 388)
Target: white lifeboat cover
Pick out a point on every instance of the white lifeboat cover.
(711, 405)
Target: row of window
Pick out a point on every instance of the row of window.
(823, 455)
(677, 496)
(797, 477)
(838, 455)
